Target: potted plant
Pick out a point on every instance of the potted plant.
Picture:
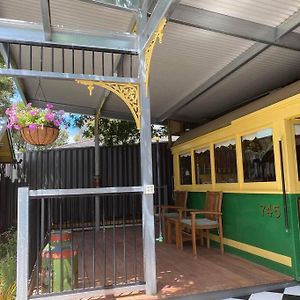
(37, 126)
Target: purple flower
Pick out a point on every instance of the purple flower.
(49, 117)
(9, 126)
(61, 112)
(33, 112)
(32, 127)
(56, 123)
(49, 106)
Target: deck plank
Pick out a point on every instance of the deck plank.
(178, 272)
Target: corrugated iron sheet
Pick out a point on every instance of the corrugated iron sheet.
(266, 12)
(76, 14)
(26, 10)
(74, 168)
(258, 76)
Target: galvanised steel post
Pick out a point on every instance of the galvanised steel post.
(97, 171)
(22, 243)
(146, 166)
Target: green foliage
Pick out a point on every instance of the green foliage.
(8, 258)
(113, 132)
(6, 91)
(9, 293)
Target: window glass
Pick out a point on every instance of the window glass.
(185, 169)
(297, 139)
(202, 166)
(225, 162)
(258, 156)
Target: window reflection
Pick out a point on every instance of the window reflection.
(185, 169)
(202, 166)
(258, 156)
(297, 140)
(225, 162)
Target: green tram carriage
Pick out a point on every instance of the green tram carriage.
(252, 154)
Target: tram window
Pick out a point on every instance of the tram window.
(202, 166)
(185, 169)
(297, 140)
(225, 162)
(258, 156)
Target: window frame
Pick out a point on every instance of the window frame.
(241, 141)
(190, 153)
(227, 139)
(207, 147)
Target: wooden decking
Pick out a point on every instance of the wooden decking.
(178, 272)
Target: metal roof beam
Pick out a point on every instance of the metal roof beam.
(290, 24)
(129, 5)
(26, 32)
(160, 11)
(17, 81)
(64, 76)
(66, 107)
(45, 10)
(216, 22)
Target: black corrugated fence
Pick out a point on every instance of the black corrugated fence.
(8, 203)
(74, 168)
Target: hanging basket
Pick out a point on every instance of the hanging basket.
(40, 136)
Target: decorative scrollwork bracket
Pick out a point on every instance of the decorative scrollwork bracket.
(128, 92)
(157, 35)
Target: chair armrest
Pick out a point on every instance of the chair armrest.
(202, 212)
(170, 207)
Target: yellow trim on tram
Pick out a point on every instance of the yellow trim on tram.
(280, 117)
(276, 257)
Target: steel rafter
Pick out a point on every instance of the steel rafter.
(33, 34)
(290, 24)
(216, 22)
(45, 10)
(65, 76)
(128, 5)
(160, 11)
(66, 107)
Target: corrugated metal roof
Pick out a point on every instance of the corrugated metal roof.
(266, 12)
(186, 58)
(273, 68)
(76, 14)
(26, 10)
(273, 97)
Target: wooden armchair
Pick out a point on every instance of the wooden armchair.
(172, 211)
(191, 226)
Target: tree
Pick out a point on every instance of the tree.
(7, 90)
(113, 132)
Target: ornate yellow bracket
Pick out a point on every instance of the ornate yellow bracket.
(128, 92)
(157, 35)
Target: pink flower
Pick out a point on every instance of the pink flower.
(33, 112)
(49, 117)
(9, 126)
(32, 127)
(56, 123)
(49, 106)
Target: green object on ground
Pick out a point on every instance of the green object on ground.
(60, 262)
